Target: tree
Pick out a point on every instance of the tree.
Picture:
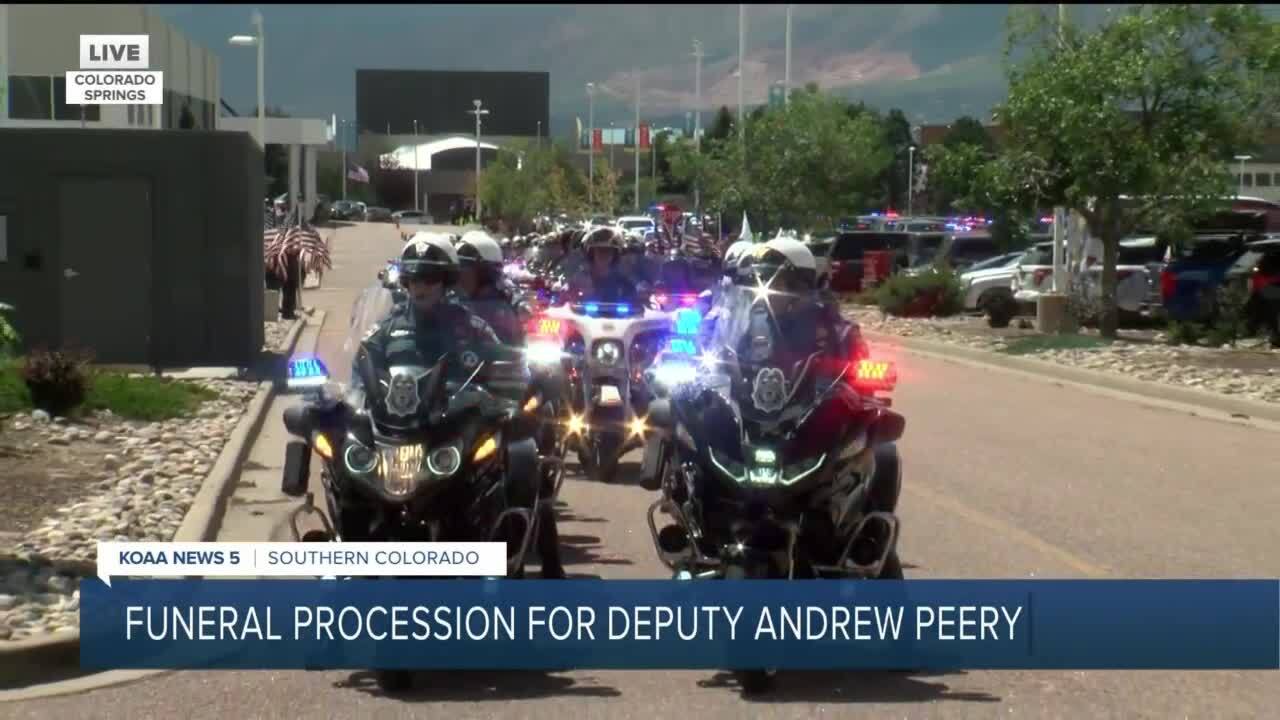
(967, 130)
(954, 166)
(897, 138)
(1150, 106)
(721, 128)
(808, 162)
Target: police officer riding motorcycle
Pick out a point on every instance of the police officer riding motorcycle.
(481, 288)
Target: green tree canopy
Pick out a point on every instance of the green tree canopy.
(1150, 106)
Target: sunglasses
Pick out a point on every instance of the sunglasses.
(426, 277)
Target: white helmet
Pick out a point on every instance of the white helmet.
(477, 246)
(733, 255)
(788, 256)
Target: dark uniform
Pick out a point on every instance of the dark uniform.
(407, 337)
(503, 309)
(614, 288)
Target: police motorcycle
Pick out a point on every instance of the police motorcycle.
(604, 349)
(444, 453)
(770, 463)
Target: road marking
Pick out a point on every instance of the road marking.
(1018, 535)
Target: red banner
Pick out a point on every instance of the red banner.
(644, 137)
(597, 140)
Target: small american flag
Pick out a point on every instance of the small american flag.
(358, 174)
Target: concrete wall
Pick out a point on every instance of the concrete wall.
(45, 40)
(204, 260)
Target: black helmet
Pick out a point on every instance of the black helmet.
(429, 256)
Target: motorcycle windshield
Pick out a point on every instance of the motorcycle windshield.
(759, 338)
(371, 307)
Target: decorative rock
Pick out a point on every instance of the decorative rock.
(40, 416)
(7, 602)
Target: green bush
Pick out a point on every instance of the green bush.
(934, 293)
(57, 381)
(9, 338)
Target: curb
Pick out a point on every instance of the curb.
(22, 661)
(1190, 398)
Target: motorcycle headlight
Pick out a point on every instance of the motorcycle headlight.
(675, 374)
(359, 459)
(444, 461)
(401, 467)
(543, 353)
(609, 353)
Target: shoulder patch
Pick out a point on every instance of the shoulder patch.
(372, 329)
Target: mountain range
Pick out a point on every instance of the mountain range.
(935, 62)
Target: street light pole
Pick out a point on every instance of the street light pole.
(591, 146)
(478, 112)
(539, 134)
(262, 93)
(612, 145)
(1243, 159)
(636, 144)
(742, 49)
(697, 116)
(258, 39)
(786, 71)
(911, 176)
(415, 163)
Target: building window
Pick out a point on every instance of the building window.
(1248, 179)
(30, 97)
(1262, 179)
(92, 113)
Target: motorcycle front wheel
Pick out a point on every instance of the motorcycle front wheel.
(599, 457)
(393, 681)
(752, 682)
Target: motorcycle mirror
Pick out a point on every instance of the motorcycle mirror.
(382, 274)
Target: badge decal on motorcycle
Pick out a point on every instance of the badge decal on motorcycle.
(769, 392)
(402, 395)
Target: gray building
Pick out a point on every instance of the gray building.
(40, 43)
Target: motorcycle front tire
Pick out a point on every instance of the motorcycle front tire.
(604, 466)
(752, 682)
(393, 681)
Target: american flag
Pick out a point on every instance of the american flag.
(358, 174)
(700, 245)
(301, 240)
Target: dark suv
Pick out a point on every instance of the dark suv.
(848, 248)
(1257, 271)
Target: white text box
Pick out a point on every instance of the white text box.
(115, 87)
(301, 559)
(115, 52)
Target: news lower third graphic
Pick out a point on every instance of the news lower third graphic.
(113, 71)
(477, 620)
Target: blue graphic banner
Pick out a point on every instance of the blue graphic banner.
(624, 624)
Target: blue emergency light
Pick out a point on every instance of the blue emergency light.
(592, 308)
(307, 372)
(683, 346)
(688, 322)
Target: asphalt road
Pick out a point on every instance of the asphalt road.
(1005, 477)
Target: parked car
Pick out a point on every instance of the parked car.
(847, 254)
(637, 225)
(1190, 282)
(1257, 273)
(988, 288)
(1035, 276)
(821, 249)
(342, 210)
(408, 215)
(959, 251)
(377, 214)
